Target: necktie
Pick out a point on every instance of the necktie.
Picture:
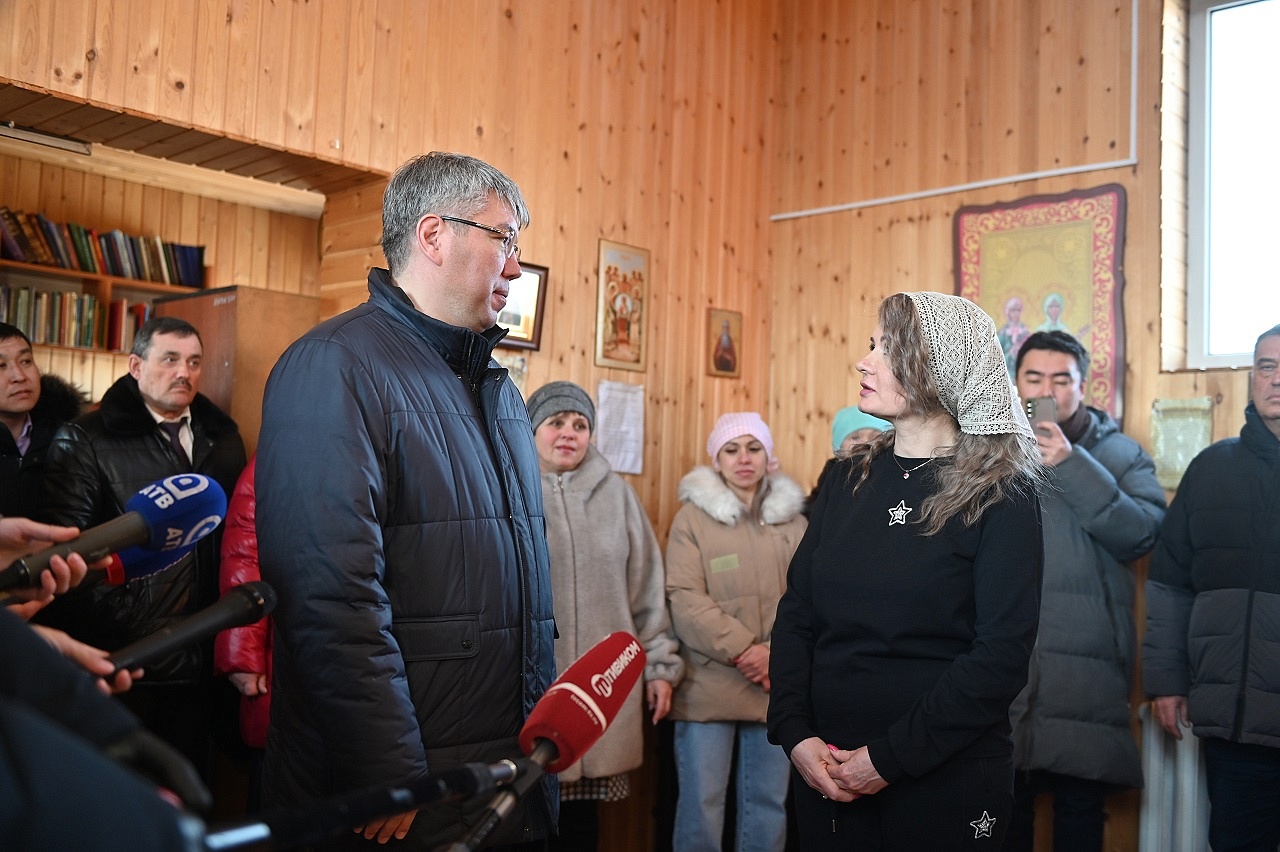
(172, 428)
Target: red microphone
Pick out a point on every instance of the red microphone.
(586, 698)
(567, 720)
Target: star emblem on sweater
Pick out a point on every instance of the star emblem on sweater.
(982, 827)
(898, 513)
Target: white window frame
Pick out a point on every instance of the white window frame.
(1199, 141)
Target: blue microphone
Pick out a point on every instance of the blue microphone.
(135, 563)
(164, 517)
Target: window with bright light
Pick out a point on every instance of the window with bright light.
(1233, 193)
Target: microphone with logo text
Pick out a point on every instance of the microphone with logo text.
(568, 720)
(166, 516)
(241, 605)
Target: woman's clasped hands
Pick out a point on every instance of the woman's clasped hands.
(837, 774)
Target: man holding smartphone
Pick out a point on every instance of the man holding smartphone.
(1101, 510)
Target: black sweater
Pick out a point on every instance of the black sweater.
(911, 645)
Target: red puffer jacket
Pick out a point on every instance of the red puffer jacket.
(248, 648)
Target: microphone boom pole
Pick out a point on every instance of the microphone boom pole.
(288, 828)
(504, 801)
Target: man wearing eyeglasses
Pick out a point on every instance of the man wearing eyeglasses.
(400, 520)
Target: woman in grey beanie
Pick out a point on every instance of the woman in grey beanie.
(606, 575)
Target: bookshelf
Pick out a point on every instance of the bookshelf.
(97, 322)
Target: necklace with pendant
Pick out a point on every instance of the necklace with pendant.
(907, 471)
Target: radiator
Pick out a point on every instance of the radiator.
(1175, 800)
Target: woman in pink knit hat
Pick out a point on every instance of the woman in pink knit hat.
(727, 557)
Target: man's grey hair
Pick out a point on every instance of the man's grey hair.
(1274, 331)
(441, 183)
(161, 325)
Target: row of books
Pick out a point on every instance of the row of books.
(33, 238)
(66, 318)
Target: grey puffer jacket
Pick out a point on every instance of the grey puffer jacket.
(1101, 508)
(400, 521)
(1213, 595)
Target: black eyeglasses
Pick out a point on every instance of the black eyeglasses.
(509, 236)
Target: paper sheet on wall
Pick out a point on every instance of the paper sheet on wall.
(620, 425)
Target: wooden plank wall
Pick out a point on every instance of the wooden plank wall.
(900, 97)
(644, 123)
(682, 127)
(657, 138)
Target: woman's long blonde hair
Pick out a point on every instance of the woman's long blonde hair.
(983, 469)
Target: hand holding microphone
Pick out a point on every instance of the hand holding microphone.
(167, 515)
(19, 536)
(241, 605)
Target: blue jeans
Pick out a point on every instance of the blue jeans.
(1244, 795)
(704, 760)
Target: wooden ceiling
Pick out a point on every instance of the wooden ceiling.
(148, 136)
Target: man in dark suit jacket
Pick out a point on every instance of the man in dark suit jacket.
(101, 459)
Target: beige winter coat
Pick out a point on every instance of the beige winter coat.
(725, 575)
(606, 575)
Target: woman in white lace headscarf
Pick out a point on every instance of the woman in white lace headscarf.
(912, 602)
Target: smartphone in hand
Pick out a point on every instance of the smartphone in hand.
(1042, 409)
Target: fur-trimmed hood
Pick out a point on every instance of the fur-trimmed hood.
(60, 401)
(704, 488)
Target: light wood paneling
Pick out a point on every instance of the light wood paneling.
(677, 127)
(660, 143)
(1077, 112)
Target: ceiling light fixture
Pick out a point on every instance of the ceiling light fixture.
(39, 137)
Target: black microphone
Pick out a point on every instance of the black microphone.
(241, 605)
(284, 829)
(567, 720)
(169, 514)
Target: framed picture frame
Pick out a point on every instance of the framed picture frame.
(724, 342)
(522, 317)
(622, 305)
(1052, 262)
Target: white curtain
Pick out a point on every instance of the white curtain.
(1175, 800)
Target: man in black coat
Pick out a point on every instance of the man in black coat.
(1211, 654)
(32, 407)
(400, 521)
(100, 460)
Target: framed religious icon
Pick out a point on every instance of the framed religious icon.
(1052, 262)
(622, 303)
(522, 317)
(724, 342)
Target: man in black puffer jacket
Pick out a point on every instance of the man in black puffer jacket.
(1211, 656)
(100, 460)
(400, 521)
(32, 407)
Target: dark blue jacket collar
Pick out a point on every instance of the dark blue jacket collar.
(466, 352)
